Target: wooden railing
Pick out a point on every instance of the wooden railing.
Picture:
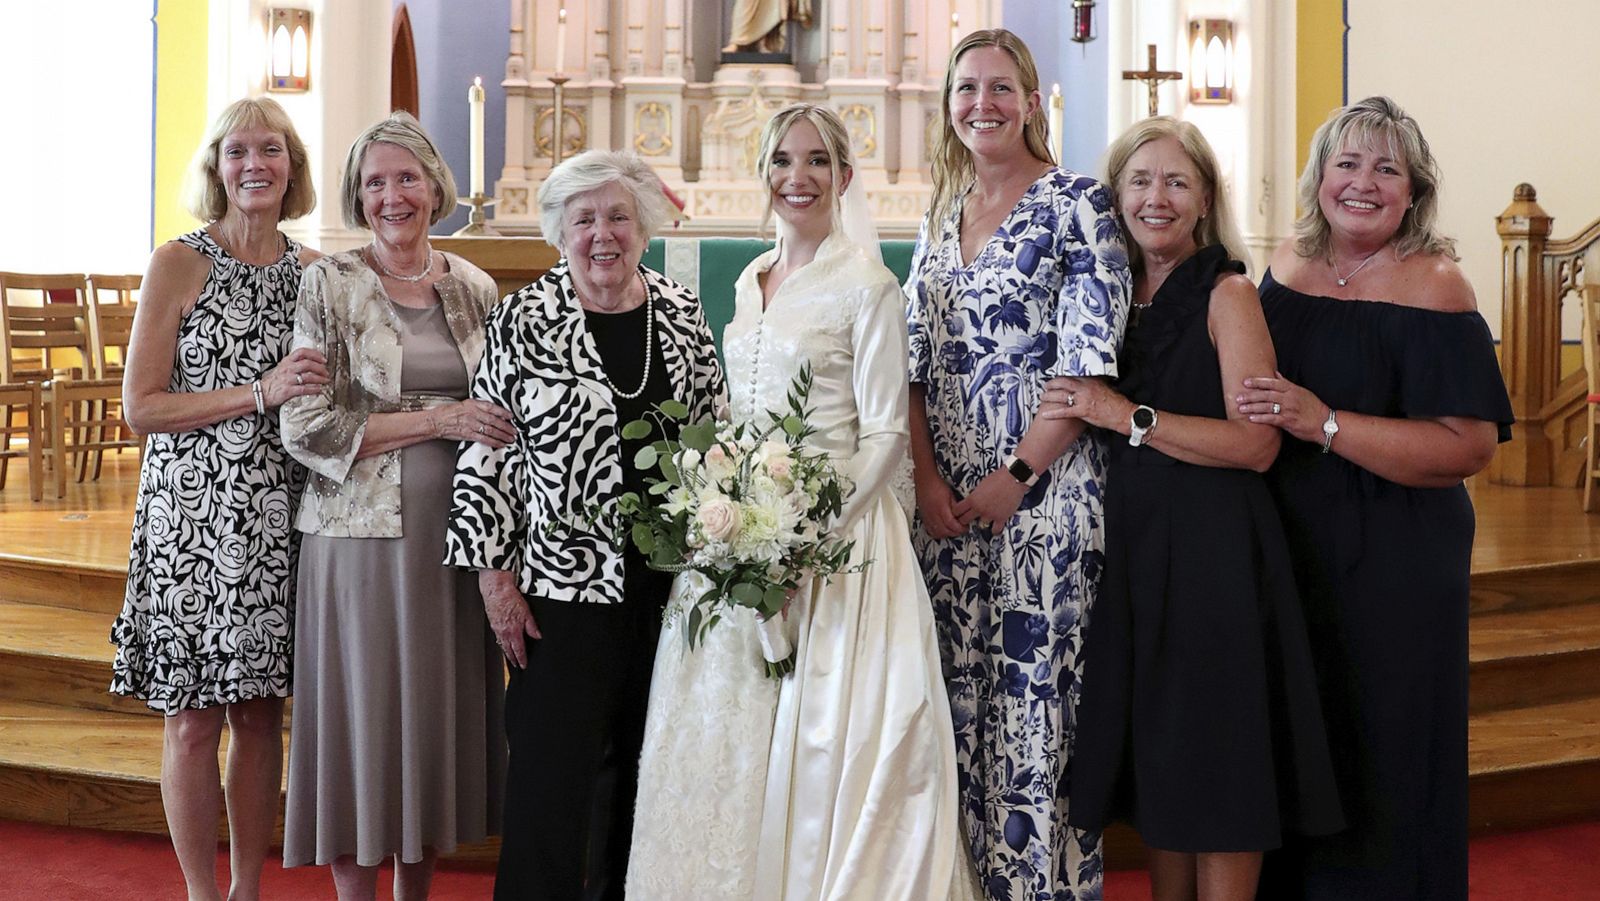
(1537, 275)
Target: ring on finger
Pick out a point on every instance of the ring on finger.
(1072, 400)
(299, 378)
(1276, 409)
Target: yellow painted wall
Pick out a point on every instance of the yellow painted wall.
(180, 107)
(1319, 68)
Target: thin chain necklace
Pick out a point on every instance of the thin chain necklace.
(1343, 279)
(372, 251)
(649, 347)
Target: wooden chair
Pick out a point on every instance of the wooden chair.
(1591, 366)
(113, 300)
(26, 396)
(49, 340)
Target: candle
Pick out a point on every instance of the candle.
(1058, 140)
(475, 136)
(561, 40)
(955, 30)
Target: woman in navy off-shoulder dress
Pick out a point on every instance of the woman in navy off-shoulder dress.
(1389, 395)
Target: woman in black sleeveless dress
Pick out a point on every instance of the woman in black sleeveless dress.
(1199, 718)
(1390, 396)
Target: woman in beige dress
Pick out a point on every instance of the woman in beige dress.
(397, 748)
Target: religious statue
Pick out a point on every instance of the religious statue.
(760, 23)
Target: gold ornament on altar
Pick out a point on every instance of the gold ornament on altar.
(652, 129)
(862, 124)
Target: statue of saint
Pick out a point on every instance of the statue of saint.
(759, 23)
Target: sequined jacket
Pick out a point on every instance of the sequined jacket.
(524, 508)
(344, 313)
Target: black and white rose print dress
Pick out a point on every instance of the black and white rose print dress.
(208, 614)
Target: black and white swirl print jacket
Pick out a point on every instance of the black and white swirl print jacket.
(523, 508)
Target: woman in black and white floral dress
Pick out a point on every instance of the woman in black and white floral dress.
(205, 635)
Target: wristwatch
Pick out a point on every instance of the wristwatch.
(1142, 424)
(1329, 429)
(1021, 471)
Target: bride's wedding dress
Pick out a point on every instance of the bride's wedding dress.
(839, 781)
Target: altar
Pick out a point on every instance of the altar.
(663, 80)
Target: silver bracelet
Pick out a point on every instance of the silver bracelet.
(260, 397)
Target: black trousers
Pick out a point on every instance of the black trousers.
(575, 724)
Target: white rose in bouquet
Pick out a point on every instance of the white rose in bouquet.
(719, 518)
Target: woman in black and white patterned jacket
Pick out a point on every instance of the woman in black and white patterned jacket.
(592, 345)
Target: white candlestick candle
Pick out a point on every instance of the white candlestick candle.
(561, 41)
(475, 136)
(1058, 140)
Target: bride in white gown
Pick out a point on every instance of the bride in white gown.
(839, 781)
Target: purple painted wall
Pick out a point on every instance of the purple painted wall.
(1080, 69)
(456, 40)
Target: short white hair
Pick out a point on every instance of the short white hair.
(594, 169)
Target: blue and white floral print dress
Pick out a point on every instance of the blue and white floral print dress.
(1047, 296)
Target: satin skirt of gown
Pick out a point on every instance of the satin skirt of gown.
(861, 788)
(821, 785)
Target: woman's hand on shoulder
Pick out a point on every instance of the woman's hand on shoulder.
(474, 420)
(309, 255)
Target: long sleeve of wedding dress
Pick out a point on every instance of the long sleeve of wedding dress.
(882, 400)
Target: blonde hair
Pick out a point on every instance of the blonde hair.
(835, 139)
(1218, 226)
(1376, 122)
(951, 160)
(402, 130)
(204, 196)
(594, 169)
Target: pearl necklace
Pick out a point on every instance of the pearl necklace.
(1342, 279)
(413, 279)
(649, 347)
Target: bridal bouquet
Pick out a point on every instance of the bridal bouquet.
(747, 505)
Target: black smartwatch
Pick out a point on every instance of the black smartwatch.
(1021, 471)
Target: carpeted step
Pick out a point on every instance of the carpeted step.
(1522, 658)
(1535, 766)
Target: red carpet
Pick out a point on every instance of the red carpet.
(53, 863)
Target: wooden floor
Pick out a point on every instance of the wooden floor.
(72, 754)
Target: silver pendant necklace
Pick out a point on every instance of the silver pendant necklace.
(649, 347)
(413, 279)
(1344, 279)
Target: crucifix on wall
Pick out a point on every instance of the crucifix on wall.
(1152, 77)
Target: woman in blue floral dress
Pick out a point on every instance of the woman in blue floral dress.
(1020, 275)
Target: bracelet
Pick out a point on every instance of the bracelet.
(260, 398)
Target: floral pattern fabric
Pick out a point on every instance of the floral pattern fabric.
(208, 617)
(1046, 296)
